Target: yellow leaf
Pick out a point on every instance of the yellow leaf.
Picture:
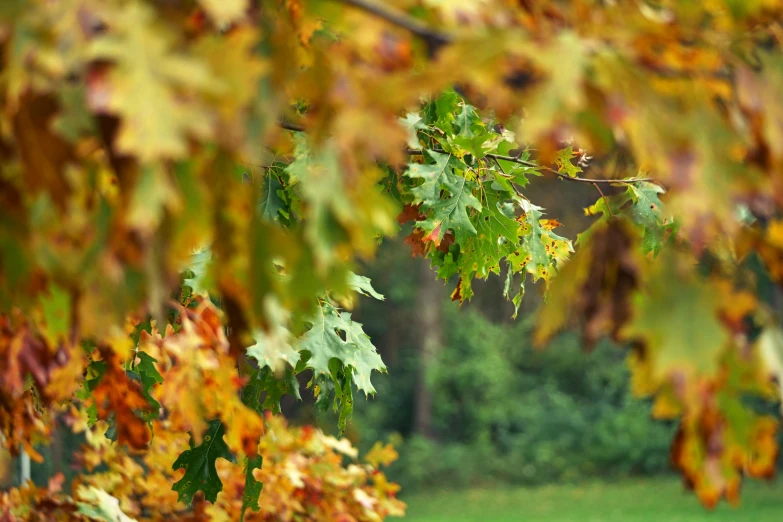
(231, 59)
(224, 12)
(150, 86)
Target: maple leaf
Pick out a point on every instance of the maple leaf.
(642, 203)
(381, 455)
(231, 57)
(363, 285)
(252, 486)
(694, 337)
(272, 346)
(451, 212)
(196, 276)
(563, 162)
(416, 240)
(409, 213)
(118, 396)
(646, 211)
(543, 249)
(264, 380)
(199, 465)
(720, 438)
(465, 120)
(149, 377)
(337, 384)
(143, 86)
(335, 336)
(412, 122)
(498, 235)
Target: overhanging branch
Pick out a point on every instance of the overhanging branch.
(547, 169)
(433, 37)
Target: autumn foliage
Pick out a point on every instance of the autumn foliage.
(157, 158)
(306, 475)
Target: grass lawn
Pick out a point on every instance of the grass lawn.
(659, 500)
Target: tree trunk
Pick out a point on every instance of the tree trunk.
(430, 335)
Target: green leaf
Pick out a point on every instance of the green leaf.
(57, 314)
(464, 121)
(74, 120)
(646, 212)
(93, 375)
(451, 212)
(441, 112)
(334, 336)
(412, 122)
(252, 486)
(197, 273)
(264, 380)
(199, 465)
(363, 285)
(149, 376)
(641, 202)
(498, 236)
(514, 171)
(273, 348)
(339, 384)
(544, 249)
(271, 204)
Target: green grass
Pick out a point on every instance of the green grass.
(659, 500)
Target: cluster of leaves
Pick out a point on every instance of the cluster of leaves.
(272, 139)
(464, 197)
(306, 474)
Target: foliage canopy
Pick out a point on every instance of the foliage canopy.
(161, 157)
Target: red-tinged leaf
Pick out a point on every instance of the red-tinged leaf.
(119, 397)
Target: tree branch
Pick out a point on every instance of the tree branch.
(433, 37)
(412, 152)
(291, 126)
(560, 175)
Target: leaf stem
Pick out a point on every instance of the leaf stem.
(606, 201)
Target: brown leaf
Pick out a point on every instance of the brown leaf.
(410, 213)
(118, 394)
(594, 287)
(44, 154)
(416, 240)
(612, 277)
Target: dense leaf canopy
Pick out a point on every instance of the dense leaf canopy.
(170, 169)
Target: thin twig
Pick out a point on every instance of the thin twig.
(434, 37)
(606, 201)
(565, 176)
(547, 169)
(413, 152)
(291, 126)
(675, 74)
(517, 192)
